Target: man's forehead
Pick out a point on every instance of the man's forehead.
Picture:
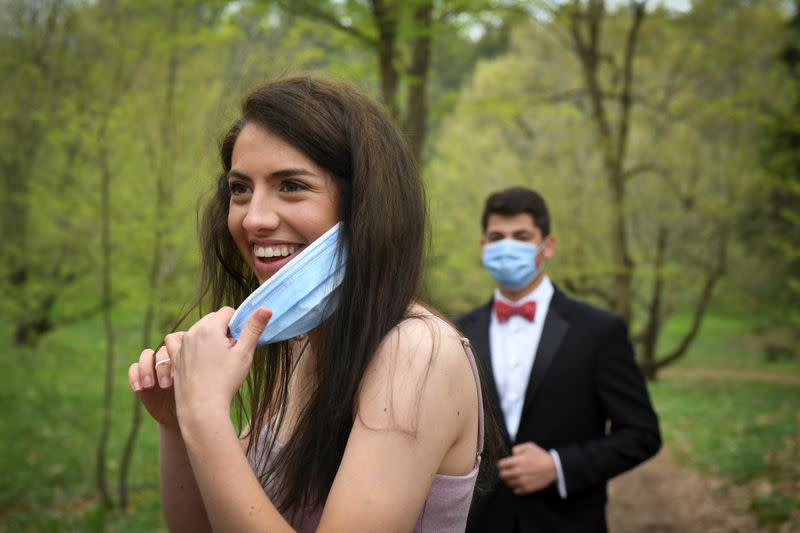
(511, 223)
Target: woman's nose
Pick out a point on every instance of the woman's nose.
(261, 215)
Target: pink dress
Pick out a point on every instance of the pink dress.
(447, 505)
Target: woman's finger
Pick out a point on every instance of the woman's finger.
(133, 377)
(163, 366)
(173, 342)
(248, 339)
(146, 374)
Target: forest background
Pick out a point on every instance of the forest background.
(665, 137)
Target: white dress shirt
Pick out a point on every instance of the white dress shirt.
(514, 344)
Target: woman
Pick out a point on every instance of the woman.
(373, 420)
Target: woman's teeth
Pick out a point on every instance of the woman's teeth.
(281, 250)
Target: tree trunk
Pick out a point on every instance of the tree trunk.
(623, 264)
(14, 243)
(105, 298)
(654, 312)
(386, 23)
(164, 172)
(417, 109)
(586, 29)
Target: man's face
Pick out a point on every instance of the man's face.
(520, 227)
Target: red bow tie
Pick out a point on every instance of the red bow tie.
(504, 310)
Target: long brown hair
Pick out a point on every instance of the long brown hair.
(383, 217)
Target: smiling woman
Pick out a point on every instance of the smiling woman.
(373, 420)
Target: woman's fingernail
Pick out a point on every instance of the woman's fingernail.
(164, 381)
(136, 386)
(148, 381)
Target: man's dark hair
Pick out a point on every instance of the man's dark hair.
(514, 201)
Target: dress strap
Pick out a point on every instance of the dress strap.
(474, 365)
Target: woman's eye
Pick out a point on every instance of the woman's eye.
(236, 188)
(291, 186)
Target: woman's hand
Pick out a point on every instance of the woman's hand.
(209, 368)
(151, 380)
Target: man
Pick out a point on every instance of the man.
(562, 381)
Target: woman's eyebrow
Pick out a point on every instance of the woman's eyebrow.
(290, 172)
(283, 173)
(236, 174)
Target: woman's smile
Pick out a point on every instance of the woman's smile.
(269, 257)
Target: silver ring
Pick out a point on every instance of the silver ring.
(163, 362)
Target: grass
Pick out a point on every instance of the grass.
(741, 427)
(52, 398)
(725, 342)
(740, 431)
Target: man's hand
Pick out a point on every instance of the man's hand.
(528, 469)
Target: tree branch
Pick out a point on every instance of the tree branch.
(625, 100)
(702, 303)
(581, 286)
(313, 11)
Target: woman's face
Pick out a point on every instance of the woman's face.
(281, 201)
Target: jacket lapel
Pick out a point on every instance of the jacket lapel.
(555, 327)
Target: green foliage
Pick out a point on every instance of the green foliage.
(90, 95)
(740, 432)
(723, 335)
(773, 508)
(775, 209)
(52, 397)
(734, 416)
(524, 118)
(760, 421)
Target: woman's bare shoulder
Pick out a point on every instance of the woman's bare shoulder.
(420, 366)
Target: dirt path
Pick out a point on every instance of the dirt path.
(661, 496)
(718, 374)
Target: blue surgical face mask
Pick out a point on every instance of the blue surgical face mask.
(511, 263)
(300, 295)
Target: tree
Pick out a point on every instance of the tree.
(401, 37)
(639, 144)
(780, 215)
(40, 90)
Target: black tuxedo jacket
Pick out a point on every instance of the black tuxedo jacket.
(587, 399)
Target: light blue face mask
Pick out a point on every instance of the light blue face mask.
(300, 295)
(511, 263)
